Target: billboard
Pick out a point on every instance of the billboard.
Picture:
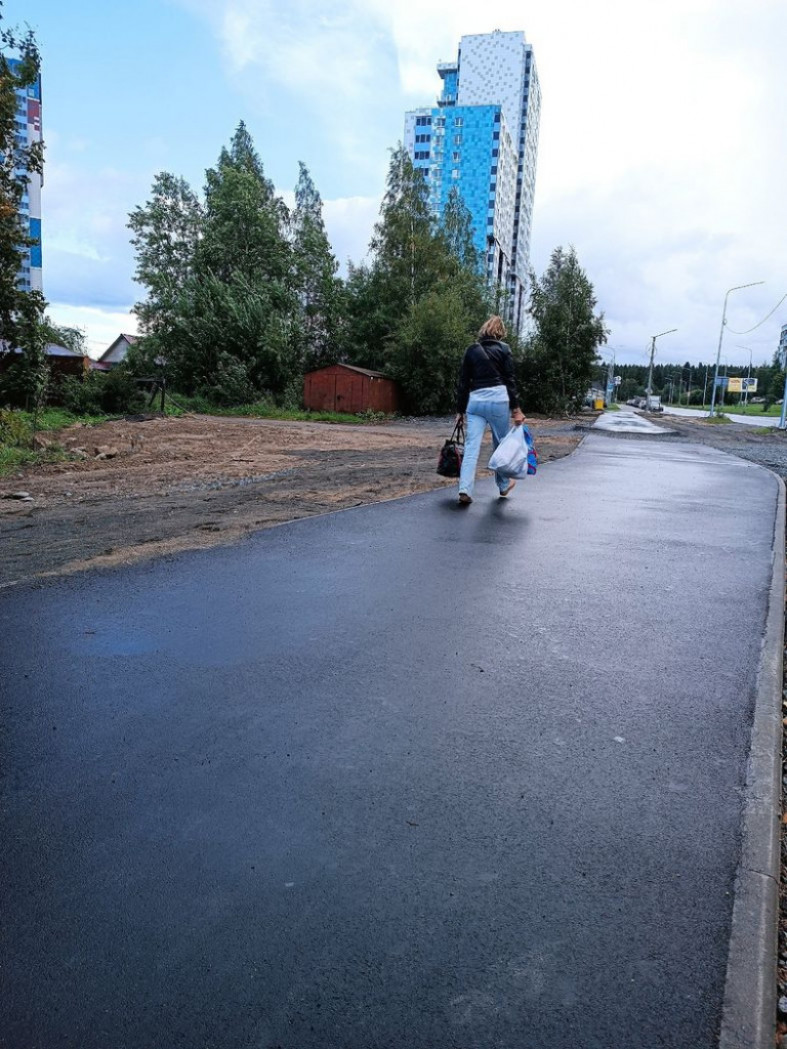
(742, 385)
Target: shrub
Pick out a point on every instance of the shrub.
(97, 393)
(15, 430)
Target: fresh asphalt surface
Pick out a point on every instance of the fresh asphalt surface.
(402, 776)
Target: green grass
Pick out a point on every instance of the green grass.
(13, 459)
(717, 420)
(178, 405)
(612, 408)
(752, 409)
(57, 418)
(19, 452)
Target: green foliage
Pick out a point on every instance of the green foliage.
(557, 365)
(166, 232)
(15, 429)
(314, 277)
(102, 393)
(427, 351)
(413, 310)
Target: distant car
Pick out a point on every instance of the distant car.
(653, 404)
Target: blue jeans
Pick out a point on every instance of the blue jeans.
(480, 413)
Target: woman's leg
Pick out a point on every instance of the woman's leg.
(476, 425)
(500, 422)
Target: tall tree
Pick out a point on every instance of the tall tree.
(567, 336)
(21, 311)
(166, 232)
(457, 228)
(314, 275)
(404, 244)
(245, 222)
(237, 326)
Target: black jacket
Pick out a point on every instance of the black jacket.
(486, 363)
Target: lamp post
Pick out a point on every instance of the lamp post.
(653, 338)
(721, 336)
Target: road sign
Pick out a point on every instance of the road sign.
(734, 385)
(721, 380)
(750, 385)
(618, 380)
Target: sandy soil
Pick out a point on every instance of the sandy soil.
(150, 486)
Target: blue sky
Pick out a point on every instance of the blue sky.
(662, 156)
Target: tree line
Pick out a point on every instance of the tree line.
(692, 384)
(241, 295)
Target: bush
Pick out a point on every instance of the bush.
(15, 430)
(109, 393)
(232, 386)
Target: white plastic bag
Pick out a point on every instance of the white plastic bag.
(510, 456)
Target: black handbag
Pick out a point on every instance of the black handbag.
(450, 462)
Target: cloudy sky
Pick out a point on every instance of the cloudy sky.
(662, 159)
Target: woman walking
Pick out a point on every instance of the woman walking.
(487, 393)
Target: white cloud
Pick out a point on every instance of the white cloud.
(661, 155)
(349, 222)
(101, 326)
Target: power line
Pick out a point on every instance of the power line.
(764, 319)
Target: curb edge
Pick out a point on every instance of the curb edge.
(749, 1005)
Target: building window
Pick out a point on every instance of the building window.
(458, 121)
(455, 173)
(456, 157)
(494, 169)
(439, 122)
(497, 118)
(496, 136)
(495, 152)
(457, 140)
(422, 154)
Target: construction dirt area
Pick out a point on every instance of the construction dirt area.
(151, 486)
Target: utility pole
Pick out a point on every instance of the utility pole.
(721, 337)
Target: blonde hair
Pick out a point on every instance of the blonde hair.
(493, 329)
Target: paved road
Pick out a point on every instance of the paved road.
(400, 776)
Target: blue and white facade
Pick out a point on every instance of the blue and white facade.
(482, 137)
(27, 132)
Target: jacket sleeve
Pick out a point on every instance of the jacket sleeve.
(508, 377)
(463, 386)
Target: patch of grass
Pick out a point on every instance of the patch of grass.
(57, 418)
(717, 420)
(13, 459)
(612, 408)
(17, 448)
(178, 405)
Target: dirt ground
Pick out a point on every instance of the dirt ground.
(149, 486)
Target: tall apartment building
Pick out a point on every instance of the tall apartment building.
(28, 131)
(482, 137)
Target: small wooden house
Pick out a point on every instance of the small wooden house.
(116, 353)
(345, 388)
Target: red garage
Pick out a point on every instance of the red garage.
(344, 388)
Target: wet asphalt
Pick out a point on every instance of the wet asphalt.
(406, 775)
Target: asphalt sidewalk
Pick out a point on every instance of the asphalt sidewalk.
(409, 775)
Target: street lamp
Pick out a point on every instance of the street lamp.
(653, 338)
(721, 336)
